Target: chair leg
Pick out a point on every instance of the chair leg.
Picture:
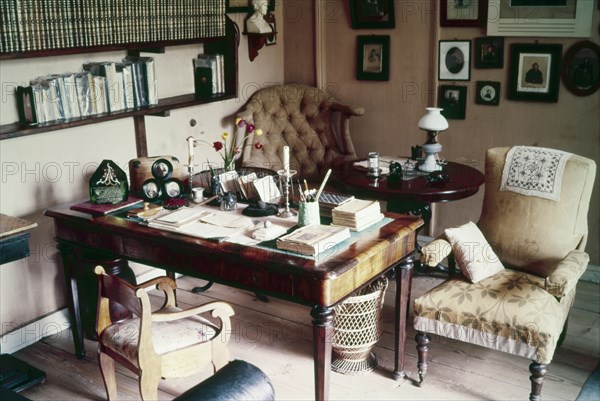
(538, 371)
(149, 381)
(423, 341)
(107, 368)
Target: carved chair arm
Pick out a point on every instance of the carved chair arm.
(435, 252)
(345, 109)
(166, 284)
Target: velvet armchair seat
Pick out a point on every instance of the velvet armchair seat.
(312, 123)
(515, 293)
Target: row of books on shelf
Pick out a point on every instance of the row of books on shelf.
(101, 87)
(29, 25)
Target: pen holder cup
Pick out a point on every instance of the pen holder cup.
(308, 213)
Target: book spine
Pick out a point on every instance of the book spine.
(26, 105)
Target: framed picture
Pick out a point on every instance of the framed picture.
(454, 63)
(453, 100)
(487, 93)
(237, 6)
(534, 72)
(244, 6)
(372, 14)
(463, 12)
(373, 61)
(489, 52)
(550, 18)
(581, 68)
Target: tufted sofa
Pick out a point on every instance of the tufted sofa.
(312, 123)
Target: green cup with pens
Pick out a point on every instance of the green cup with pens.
(308, 208)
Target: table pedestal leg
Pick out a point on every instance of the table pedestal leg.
(404, 272)
(322, 318)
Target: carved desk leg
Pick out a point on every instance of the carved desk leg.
(404, 273)
(67, 254)
(322, 318)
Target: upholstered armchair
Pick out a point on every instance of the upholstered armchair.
(312, 123)
(520, 264)
(168, 342)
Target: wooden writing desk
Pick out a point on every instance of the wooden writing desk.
(286, 276)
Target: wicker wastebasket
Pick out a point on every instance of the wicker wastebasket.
(357, 328)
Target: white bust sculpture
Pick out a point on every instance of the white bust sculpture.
(257, 23)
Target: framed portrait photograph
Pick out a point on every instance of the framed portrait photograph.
(534, 72)
(581, 68)
(549, 18)
(489, 52)
(454, 63)
(487, 93)
(453, 100)
(372, 14)
(463, 12)
(373, 60)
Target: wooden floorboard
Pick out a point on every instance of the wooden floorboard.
(277, 337)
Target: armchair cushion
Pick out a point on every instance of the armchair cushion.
(474, 256)
(122, 337)
(510, 311)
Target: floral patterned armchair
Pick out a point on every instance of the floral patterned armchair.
(520, 271)
(312, 123)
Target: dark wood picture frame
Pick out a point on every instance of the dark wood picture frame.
(453, 100)
(534, 72)
(581, 68)
(373, 57)
(489, 52)
(487, 93)
(372, 14)
(244, 6)
(454, 62)
(466, 13)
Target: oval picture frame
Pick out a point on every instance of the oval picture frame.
(581, 68)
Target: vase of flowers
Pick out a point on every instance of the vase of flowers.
(231, 150)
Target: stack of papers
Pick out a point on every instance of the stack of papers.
(330, 200)
(357, 214)
(313, 239)
(203, 223)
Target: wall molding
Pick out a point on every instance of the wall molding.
(50, 325)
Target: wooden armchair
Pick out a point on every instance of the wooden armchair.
(168, 342)
(520, 264)
(312, 123)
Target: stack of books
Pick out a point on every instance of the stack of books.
(357, 214)
(330, 200)
(209, 75)
(313, 239)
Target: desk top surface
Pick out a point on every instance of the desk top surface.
(286, 275)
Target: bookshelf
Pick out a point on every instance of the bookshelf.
(226, 44)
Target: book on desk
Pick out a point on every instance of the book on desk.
(313, 239)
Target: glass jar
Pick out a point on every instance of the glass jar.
(373, 165)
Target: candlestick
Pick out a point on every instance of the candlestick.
(286, 159)
(285, 178)
(190, 140)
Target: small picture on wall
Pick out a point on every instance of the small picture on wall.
(489, 52)
(454, 60)
(373, 59)
(463, 12)
(487, 93)
(534, 72)
(372, 14)
(453, 100)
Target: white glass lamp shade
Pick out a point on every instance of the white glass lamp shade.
(433, 120)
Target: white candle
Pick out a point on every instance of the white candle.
(190, 141)
(286, 159)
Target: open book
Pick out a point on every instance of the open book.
(313, 239)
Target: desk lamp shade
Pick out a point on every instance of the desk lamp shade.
(433, 122)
